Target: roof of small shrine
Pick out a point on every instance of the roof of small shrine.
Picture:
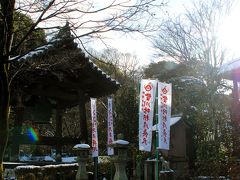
(60, 70)
(231, 70)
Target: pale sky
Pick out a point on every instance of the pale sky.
(229, 35)
(136, 44)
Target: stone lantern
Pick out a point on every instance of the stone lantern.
(120, 158)
(82, 151)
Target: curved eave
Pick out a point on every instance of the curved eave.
(63, 83)
(231, 70)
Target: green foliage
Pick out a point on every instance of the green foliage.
(127, 112)
(199, 97)
(105, 168)
(22, 24)
(125, 99)
(165, 70)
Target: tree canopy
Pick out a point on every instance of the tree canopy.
(22, 24)
(87, 19)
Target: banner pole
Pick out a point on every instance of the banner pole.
(156, 135)
(95, 168)
(138, 172)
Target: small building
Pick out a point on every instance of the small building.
(231, 71)
(180, 152)
(55, 76)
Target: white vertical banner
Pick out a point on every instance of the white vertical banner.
(164, 114)
(110, 150)
(94, 128)
(146, 112)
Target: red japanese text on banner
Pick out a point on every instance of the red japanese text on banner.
(94, 128)
(146, 110)
(110, 150)
(164, 114)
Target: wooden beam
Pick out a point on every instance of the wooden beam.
(44, 140)
(17, 128)
(82, 116)
(53, 92)
(59, 113)
(235, 91)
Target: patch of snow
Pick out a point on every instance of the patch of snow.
(94, 65)
(27, 167)
(103, 73)
(36, 158)
(69, 159)
(60, 165)
(34, 52)
(173, 121)
(81, 146)
(194, 108)
(55, 40)
(120, 141)
(166, 171)
(24, 158)
(191, 79)
(48, 158)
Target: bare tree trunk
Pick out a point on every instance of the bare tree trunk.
(4, 110)
(6, 29)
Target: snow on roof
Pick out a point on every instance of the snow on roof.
(94, 66)
(121, 142)
(27, 167)
(188, 79)
(81, 146)
(173, 121)
(60, 165)
(69, 159)
(33, 53)
(38, 51)
(230, 66)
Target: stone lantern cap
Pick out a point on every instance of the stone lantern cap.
(119, 143)
(81, 146)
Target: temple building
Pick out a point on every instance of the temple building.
(51, 79)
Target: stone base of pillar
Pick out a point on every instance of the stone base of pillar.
(82, 173)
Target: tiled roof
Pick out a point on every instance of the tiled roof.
(61, 68)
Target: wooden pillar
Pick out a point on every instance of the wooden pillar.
(235, 91)
(59, 113)
(82, 116)
(235, 116)
(17, 129)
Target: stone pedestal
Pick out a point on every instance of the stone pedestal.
(82, 151)
(120, 159)
(150, 169)
(138, 170)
